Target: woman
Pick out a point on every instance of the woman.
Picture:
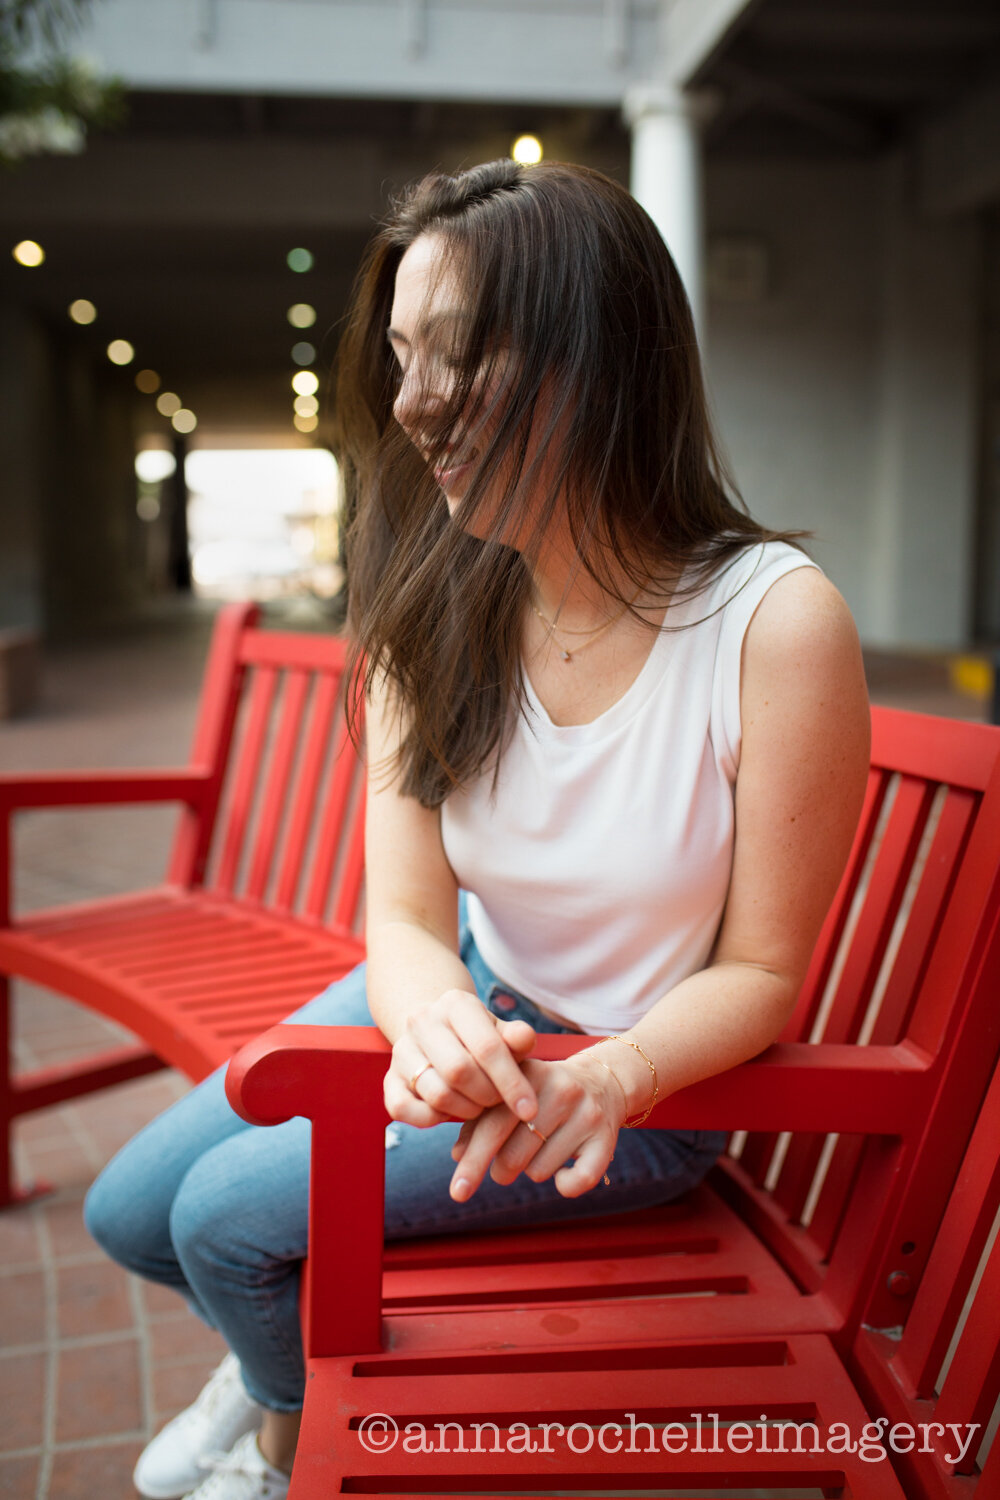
(625, 719)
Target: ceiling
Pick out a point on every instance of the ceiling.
(821, 77)
(177, 225)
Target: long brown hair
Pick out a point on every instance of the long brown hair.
(567, 286)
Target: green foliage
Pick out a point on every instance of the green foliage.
(45, 23)
(48, 99)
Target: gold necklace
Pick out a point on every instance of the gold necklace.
(592, 636)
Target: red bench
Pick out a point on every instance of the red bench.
(260, 908)
(768, 1289)
(754, 1295)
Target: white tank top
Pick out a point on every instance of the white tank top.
(599, 871)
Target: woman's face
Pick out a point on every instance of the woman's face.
(427, 330)
(425, 333)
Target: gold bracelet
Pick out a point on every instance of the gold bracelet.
(614, 1075)
(631, 1124)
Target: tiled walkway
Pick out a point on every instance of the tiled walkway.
(91, 1360)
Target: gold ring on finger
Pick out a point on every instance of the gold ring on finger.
(417, 1075)
(535, 1131)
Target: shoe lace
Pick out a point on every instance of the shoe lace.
(221, 1467)
(220, 1384)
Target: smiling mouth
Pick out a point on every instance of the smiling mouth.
(452, 469)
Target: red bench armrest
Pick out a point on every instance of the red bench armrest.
(95, 788)
(333, 1075)
(310, 1070)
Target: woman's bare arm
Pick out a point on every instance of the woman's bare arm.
(419, 992)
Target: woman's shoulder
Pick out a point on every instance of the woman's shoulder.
(785, 630)
(802, 627)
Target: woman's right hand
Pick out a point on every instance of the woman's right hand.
(455, 1059)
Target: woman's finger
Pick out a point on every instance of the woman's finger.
(473, 1059)
(403, 1105)
(488, 1043)
(594, 1161)
(486, 1136)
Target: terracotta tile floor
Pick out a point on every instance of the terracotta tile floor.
(91, 1360)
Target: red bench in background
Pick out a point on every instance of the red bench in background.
(260, 907)
(854, 1156)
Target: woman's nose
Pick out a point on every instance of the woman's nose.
(420, 398)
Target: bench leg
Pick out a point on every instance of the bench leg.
(10, 1193)
(46, 1087)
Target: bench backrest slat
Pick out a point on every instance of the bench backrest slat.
(275, 792)
(951, 1268)
(300, 817)
(943, 1371)
(246, 775)
(332, 816)
(287, 832)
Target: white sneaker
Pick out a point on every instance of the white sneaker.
(243, 1474)
(171, 1465)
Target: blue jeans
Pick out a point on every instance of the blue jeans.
(203, 1202)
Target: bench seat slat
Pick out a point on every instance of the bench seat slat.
(192, 1030)
(555, 1379)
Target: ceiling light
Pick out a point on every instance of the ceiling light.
(301, 315)
(527, 150)
(300, 259)
(153, 465)
(305, 383)
(28, 253)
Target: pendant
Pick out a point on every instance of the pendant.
(566, 656)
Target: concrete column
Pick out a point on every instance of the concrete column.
(667, 176)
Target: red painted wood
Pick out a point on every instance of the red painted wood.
(343, 776)
(889, 876)
(352, 867)
(947, 1282)
(44, 1087)
(956, 1016)
(275, 792)
(239, 813)
(758, 1151)
(212, 741)
(284, 649)
(923, 925)
(195, 973)
(589, 1378)
(303, 808)
(899, 1377)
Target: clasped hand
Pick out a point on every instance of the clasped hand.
(456, 1061)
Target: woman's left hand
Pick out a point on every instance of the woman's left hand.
(580, 1112)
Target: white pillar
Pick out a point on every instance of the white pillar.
(667, 176)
